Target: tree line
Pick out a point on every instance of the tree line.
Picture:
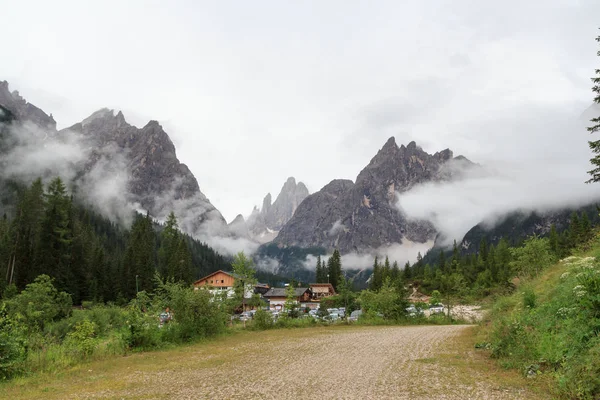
(90, 257)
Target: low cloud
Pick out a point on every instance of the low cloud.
(456, 207)
(336, 228)
(400, 252)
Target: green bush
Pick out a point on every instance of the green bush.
(39, 304)
(557, 333)
(529, 298)
(262, 320)
(13, 345)
(82, 338)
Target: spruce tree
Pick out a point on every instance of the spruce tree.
(169, 243)
(376, 278)
(319, 271)
(574, 230)
(595, 127)
(585, 228)
(334, 267)
(553, 241)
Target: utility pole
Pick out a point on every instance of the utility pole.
(137, 287)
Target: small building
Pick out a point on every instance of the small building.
(278, 296)
(321, 290)
(223, 282)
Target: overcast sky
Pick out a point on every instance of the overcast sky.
(252, 92)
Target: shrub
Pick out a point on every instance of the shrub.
(40, 303)
(529, 298)
(82, 338)
(13, 345)
(262, 320)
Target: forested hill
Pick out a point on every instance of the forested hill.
(48, 231)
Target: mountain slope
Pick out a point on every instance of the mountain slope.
(115, 165)
(363, 215)
(158, 181)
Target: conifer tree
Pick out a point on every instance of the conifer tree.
(53, 251)
(319, 271)
(455, 262)
(585, 228)
(595, 127)
(574, 230)
(553, 241)
(169, 242)
(377, 277)
(334, 267)
(406, 274)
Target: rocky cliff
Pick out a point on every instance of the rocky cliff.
(264, 224)
(363, 215)
(158, 181)
(144, 158)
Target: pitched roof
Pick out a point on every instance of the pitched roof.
(213, 274)
(281, 292)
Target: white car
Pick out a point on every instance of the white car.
(436, 309)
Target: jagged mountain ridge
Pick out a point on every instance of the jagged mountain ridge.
(263, 225)
(156, 180)
(363, 215)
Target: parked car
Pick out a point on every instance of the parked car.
(246, 316)
(413, 311)
(355, 315)
(334, 316)
(436, 309)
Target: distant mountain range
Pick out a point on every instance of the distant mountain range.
(354, 217)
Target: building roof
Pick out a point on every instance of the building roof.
(213, 274)
(281, 292)
(233, 275)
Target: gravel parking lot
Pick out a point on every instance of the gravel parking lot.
(412, 362)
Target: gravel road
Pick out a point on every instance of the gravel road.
(355, 363)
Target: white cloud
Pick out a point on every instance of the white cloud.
(246, 90)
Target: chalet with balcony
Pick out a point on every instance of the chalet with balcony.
(278, 296)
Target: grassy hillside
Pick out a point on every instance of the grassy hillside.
(549, 329)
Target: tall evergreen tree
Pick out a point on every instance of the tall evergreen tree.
(169, 243)
(595, 127)
(585, 228)
(377, 276)
(53, 253)
(553, 241)
(334, 267)
(139, 263)
(321, 277)
(442, 261)
(574, 229)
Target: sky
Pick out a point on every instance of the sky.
(254, 92)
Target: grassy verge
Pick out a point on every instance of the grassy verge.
(548, 330)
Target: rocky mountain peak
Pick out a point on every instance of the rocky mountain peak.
(23, 110)
(158, 181)
(266, 205)
(352, 217)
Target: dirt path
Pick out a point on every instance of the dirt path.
(420, 362)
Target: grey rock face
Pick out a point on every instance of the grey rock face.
(360, 216)
(264, 224)
(23, 110)
(157, 180)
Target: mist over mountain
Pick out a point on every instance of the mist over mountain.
(362, 216)
(115, 166)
